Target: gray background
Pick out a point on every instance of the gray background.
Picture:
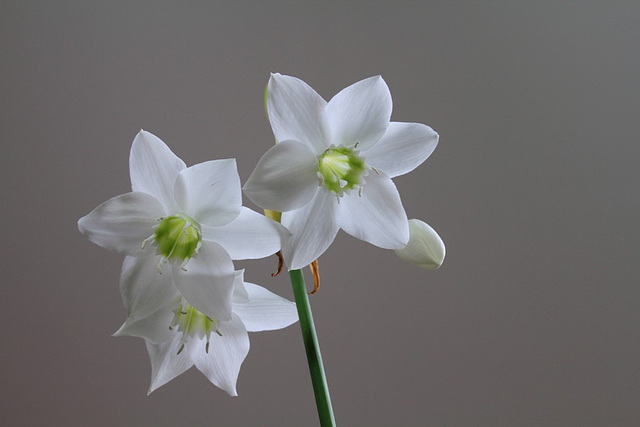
(534, 317)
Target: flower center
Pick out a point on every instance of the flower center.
(193, 323)
(177, 237)
(340, 169)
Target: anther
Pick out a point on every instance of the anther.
(375, 170)
(180, 349)
(206, 348)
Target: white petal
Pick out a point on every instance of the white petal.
(265, 311)
(295, 112)
(221, 365)
(359, 113)
(122, 223)
(209, 192)
(313, 229)
(207, 283)
(403, 147)
(143, 287)
(285, 178)
(153, 328)
(249, 236)
(153, 168)
(425, 248)
(240, 294)
(377, 216)
(166, 363)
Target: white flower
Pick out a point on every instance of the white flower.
(180, 227)
(178, 336)
(425, 248)
(333, 164)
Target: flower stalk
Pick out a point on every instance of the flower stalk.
(312, 348)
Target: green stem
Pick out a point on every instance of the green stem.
(316, 369)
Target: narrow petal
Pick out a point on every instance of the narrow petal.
(153, 168)
(295, 112)
(285, 178)
(207, 283)
(210, 192)
(377, 216)
(166, 363)
(249, 236)
(221, 364)
(144, 287)
(313, 229)
(425, 248)
(403, 147)
(265, 311)
(122, 223)
(359, 113)
(154, 328)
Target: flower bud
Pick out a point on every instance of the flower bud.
(425, 248)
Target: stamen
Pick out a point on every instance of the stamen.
(206, 348)
(360, 192)
(356, 145)
(180, 349)
(375, 170)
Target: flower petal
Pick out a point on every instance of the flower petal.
(221, 364)
(295, 112)
(359, 113)
(265, 311)
(285, 178)
(402, 148)
(166, 363)
(207, 283)
(313, 229)
(377, 216)
(249, 236)
(425, 248)
(240, 294)
(210, 191)
(154, 328)
(123, 222)
(143, 287)
(153, 168)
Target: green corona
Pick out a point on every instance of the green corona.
(191, 322)
(340, 169)
(177, 237)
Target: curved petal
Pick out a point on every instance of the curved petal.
(210, 192)
(402, 148)
(153, 168)
(144, 287)
(425, 248)
(249, 236)
(359, 113)
(154, 328)
(166, 363)
(377, 216)
(240, 294)
(221, 365)
(207, 283)
(295, 112)
(265, 311)
(123, 222)
(313, 229)
(285, 178)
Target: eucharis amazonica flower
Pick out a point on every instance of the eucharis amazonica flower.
(180, 228)
(332, 166)
(178, 336)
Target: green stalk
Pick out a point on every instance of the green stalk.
(314, 358)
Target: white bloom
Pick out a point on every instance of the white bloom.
(425, 248)
(333, 164)
(180, 227)
(178, 336)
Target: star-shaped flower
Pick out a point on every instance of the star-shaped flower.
(180, 228)
(332, 166)
(178, 336)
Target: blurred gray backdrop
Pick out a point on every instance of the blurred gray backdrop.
(532, 321)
